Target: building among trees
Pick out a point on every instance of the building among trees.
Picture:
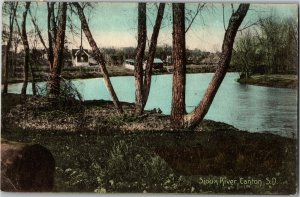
(82, 57)
(157, 64)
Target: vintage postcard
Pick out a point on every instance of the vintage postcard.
(149, 97)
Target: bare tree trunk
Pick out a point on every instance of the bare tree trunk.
(58, 53)
(138, 71)
(34, 91)
(151, 54)
(26, 49)
(195, 117)
(7, 55)
(179, 61)
(98, 56)
(51, 33)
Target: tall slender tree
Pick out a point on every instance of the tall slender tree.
(26, 48)
(140, 51)
(58, 52)
(52, 30)
(12, 14)
(143, 83)
(27, 60)
(151, 53)
(179, 63)
(98, 56)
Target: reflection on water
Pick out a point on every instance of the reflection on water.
(247, 107)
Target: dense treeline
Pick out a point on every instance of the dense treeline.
(269, 48)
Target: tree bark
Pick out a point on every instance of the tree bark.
(195, 117)
(179, 61)
(138, 70)
(51, 33)
(98, 56)
(58, 53)
(151, 54)
(33, 86)
(7, 55)
(26, 49)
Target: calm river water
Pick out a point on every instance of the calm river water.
(247, 107)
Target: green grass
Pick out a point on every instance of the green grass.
(108, 159)
(163, 161)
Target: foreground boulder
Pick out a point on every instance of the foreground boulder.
(26, 167)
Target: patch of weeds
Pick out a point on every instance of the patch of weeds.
(120, 120)
(132, 168)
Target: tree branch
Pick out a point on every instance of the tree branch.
(199, 8)
(33, 20)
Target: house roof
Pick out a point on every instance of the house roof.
(130, 60)
(157, 61)
(75, 52)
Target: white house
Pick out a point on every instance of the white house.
(81, 57)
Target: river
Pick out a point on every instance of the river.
(247, 107)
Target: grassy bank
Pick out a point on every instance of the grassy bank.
(278, 81)
(97, 150)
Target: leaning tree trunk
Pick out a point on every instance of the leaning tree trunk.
(7, 55)
(195, 117)
(151, 54)
(58, 53)
(138, 70)
(179, 61)
(26, 49)
(98, 56)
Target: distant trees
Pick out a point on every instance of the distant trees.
(179, 118)
(270, 48)
(247, 54)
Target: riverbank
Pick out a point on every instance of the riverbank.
(277, 81)
(98, 150)
(95, 72)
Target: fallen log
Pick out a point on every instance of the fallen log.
(26, 167)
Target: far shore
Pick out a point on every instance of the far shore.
(113, 71)
(272, 80)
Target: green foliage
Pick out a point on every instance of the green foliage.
(270, 48)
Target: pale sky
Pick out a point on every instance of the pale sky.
(115, 24)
